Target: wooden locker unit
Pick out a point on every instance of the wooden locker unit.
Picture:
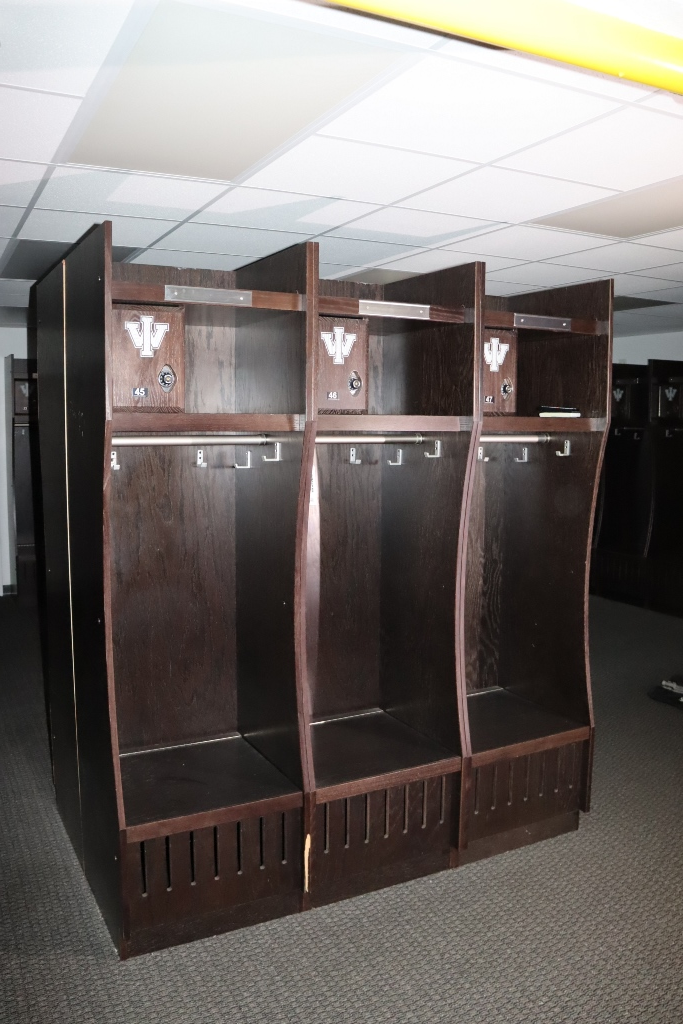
(172, 678)
(665, 447)
(382, 594)
(619, 568)
(529, 718)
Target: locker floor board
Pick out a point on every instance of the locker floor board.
(369, 744)
(499, 718)
(172, 782)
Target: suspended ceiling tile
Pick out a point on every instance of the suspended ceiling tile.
(666, 102)
(245, 242)
(665, 239)
(14, 293)
(353, 170)
(56, 226)
(58, 46)
(620, 257)
(18, 181)
(357, 252)
(281, 211)
(541, 275)
(190, 260)
(209, 92)
(334, 271)
(111, 192)
(544, 70)
(628, 149)
(437, 259)
(504, 288)
(460, 110)
(411, 227)
(32, 124)
(670, 272)
(502, 195)
(379, 275)
(28, 259)
(629, 214)
(9, 218)
(635, 284)
(671, 294)
(527, 243)
(669, 311)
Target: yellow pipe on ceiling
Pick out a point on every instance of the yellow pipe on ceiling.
(557, 29)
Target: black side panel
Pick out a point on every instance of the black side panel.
(86, 267)
(55, 606)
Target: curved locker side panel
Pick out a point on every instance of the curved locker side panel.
(56, 606)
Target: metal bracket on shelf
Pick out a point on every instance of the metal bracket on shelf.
(201, 463)
(436, 454)
(566, 450)
(480, 454)
(399, 458)
(247, 464)
(353, 457)
(114, 461)
(278, 454)
(525, 456)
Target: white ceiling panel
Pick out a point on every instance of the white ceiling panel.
(635, 285)
(437, 259)
(110, 193)
(358, 252)
(333, 271)
(14, 292)
(665, 239)
(666, 102)
(448, 108)
(543, 70)
(190, 260)
(9, 218)
(18, 181)
(56, 226)
(412, 227)
(525, 243)
(58, 45)
(628, 149)
(541, 275)
(621, 257)
(245, 242)
(503, 195)
(671, 272)
(505, 288)
(32, 124)
(351, 170)
(669, 294)
(281, 211)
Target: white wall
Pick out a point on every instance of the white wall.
(641, 347)
(12, 342)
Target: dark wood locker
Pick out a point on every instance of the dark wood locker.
(529, 719)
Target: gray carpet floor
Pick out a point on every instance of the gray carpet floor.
(587, 927)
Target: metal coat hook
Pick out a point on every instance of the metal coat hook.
(480, 454)
(114, 461)
(247, 464)
(201, 464)
(525, 456)
(352, 457)
(278, 454)
(436, 454)
(566, 450)
(399, 458)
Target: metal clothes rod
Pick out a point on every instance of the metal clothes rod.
(514, 439)
(204, 440)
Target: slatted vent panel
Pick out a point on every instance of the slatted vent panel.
(193, 873)
(522, 790)
(374, 831)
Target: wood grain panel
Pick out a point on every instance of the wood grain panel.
(173, 582)
(421, 502)
(266, 523)
(350, 549)
(209, 359)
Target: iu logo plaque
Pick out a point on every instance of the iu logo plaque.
(494, 354)
(148, 358)
(146, 334)
(343, 364)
